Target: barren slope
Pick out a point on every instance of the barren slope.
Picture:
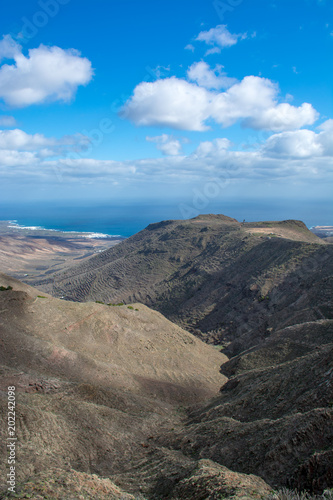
(275, 416)
(224, 281)
(100, 393)
(95, 385)
(134, 347)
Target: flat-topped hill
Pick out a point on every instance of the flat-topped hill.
(290, 229)
(225, 281)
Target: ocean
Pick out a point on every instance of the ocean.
(125, 220)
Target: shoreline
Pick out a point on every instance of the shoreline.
(34, 254)
(12, 227)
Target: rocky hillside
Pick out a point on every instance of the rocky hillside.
(134, 346)
(116, 402)
(274, 416)
(228, 283)
(95, 385)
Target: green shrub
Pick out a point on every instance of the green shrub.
(263, 297)
(3, 288)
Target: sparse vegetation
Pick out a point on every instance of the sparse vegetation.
(263, 297)
(41, 297)
(285, 494)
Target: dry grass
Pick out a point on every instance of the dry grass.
(285, 494)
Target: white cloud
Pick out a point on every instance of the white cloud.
(9, 49)
(220, 37)
(327, 126)
(296, 144)
(211, 148)
(201, 73)
(190, 47)
(274, 160)
(246, 99)
(46, 74)
(167, 144)
(301, 143)
(283, 117)
(21, 141)
(16, 145)
(7, 121)
(326, 137)
(213, 50)
(10, 158)
(170, 102)
(178, 104)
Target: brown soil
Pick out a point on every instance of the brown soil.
(228, 283)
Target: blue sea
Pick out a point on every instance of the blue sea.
(125, 220)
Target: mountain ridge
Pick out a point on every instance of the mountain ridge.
(269, 425)
(222, 280)
(119, 402)
(81, 424)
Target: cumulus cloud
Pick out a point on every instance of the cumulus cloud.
(20, 140)
(219, 37)
(327, 126)
(326, 137)
(170, 102)
(9, 49)
(212, 148)
(17, 144)
(46, 74)
(296, 144)
(201, 73)
(283, 116)
(167, 144)
(211, 159)
(274, 160)
(301, 143)
(176, 103)
(9, 158)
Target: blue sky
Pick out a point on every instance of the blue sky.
(192, 101)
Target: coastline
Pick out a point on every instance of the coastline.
(13, 228)
(34, 253)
